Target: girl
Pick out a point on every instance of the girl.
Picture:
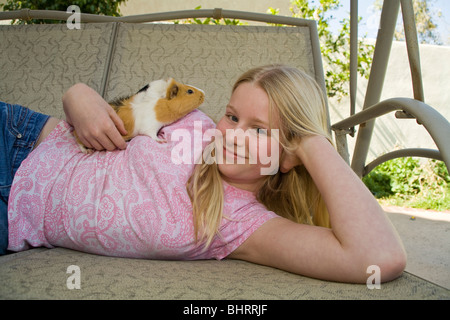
(135, 202)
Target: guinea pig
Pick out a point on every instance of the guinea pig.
(159, 103)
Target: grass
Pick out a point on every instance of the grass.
(412, 183)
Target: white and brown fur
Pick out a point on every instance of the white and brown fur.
(159, 103)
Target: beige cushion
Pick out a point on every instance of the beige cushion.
(208, 57)
(40, 62)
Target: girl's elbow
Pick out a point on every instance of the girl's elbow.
(381, 265)
(390, 264)
(394, 266)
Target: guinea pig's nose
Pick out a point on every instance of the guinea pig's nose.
(190, 91)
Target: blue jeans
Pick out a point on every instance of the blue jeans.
(19, 131)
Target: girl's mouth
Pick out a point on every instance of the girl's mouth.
(232, 154)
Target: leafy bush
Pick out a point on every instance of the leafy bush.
(334, 47)
(105, 7)
(408, 182)
(379, 183)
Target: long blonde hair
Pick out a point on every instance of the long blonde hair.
(300, 107)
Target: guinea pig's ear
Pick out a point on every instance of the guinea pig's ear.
(173, 91)
(144, 88)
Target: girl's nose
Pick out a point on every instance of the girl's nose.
(236, 137)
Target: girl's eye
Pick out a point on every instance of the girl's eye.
(232, 118)
(261, 131)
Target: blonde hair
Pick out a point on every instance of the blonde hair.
(298, 103)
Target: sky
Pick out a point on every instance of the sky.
(370, 20)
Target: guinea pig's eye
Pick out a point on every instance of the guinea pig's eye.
(190, 91)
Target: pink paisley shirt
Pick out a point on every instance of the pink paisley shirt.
(127, 203)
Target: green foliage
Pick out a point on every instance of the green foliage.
(99, 7)
(440, 170)
(408, 182)
(425, 16)
(379, 183)
(335, 48)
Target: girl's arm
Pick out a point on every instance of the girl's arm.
(97, 124)
(361, 234)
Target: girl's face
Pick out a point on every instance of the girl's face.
(247, 149)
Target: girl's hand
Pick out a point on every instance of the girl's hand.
(97, 124)
(295, 158)
(288, 161)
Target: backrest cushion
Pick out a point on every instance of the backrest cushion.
(39, 62)
(210, 57)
